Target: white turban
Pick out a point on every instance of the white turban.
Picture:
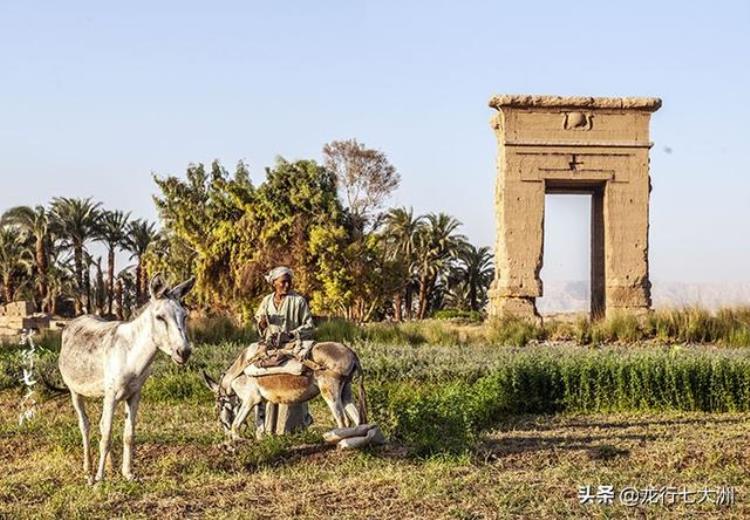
(278, 272)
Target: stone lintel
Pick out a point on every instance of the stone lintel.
(650, 104)
(586, 144)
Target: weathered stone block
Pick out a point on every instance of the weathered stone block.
(24, 322)
(22, 308)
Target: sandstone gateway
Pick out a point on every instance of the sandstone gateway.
(581, 145)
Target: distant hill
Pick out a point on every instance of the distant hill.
(573, 296)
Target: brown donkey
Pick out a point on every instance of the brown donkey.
(235, 398)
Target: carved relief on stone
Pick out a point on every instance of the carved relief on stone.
(577, 121)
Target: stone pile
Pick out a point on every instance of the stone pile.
(17, 316)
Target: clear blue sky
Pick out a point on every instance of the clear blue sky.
(96, 96)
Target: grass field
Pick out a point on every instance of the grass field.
(471, 429)
(527, 466)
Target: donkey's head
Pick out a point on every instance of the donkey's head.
(227, 406)
(167, 318)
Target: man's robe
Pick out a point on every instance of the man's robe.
(292, 317)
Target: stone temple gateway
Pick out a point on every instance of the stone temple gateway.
(580, 145)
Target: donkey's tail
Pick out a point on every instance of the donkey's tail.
(50, 387)
(362, 395)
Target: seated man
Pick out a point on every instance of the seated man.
(282, 317)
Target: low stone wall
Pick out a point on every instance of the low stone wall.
(17, 309)
(17, 316)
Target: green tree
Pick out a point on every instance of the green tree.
(139, 237)
(470, 278)
(60, 273)
(201, 218)
(401, 234)
(437, 245)
(125, 289)
(171, 255)
(99, 290)
(233, 233)
(12, 262)
(297, 201)
(110, 230)
(60, 281)
(77, 220)
(378, 277)
(34, 223)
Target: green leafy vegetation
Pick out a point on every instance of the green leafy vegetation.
(352, 257)
(450, 415)
(438, 399)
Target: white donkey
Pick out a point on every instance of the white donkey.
(112, 359)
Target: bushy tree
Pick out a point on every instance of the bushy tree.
(237, 232)
(200, 217)
(364, 176)
(323, 221)
(296, 220)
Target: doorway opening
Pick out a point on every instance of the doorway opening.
(573, 262)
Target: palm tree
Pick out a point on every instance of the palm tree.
(140, 235)
(99, 289)
(111, 231)
(437, 245)
(60, 277)
(400, 232)
(34, 223)
(11, 260)
(77, 220)
(60, 281)
(124, 288)
(471, 277)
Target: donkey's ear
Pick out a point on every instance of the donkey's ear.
(179, 292)
(210, 383)
(158, 287)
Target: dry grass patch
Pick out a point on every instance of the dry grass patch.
(527, 467)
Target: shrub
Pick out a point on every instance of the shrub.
(514, 331)
(623, 328)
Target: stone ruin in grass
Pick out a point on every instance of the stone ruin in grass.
(18, 316)
(579, 145)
